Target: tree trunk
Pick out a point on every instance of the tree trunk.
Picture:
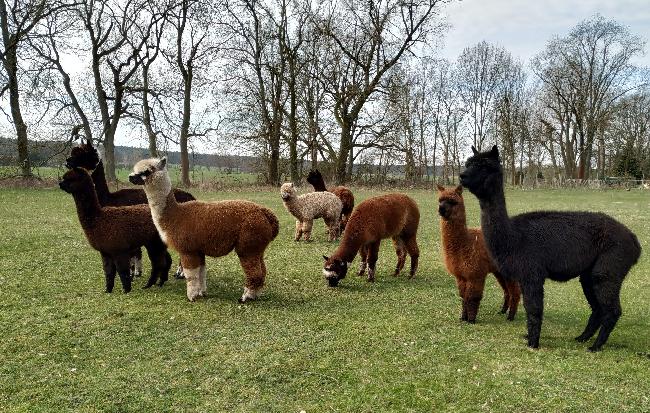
(146, 113)
(344, 151)
(185, 128)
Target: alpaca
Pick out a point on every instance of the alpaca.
(196, 229)
(116, 231)
(393, 216)
(467, 259)
(345, 195)
(556, 245)
(87, 157)
(310, 206)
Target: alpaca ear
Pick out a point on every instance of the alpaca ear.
(474, 150)
(163, 163)
(440, 188)
(326, 258)
(459, 189)
(494, 152)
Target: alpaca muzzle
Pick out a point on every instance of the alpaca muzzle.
(136, 179)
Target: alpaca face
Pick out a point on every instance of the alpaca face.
(450, 202)
(314, 177)
(75, 180)
(287, 191)
(483, 174)
(83, 156)
(334, 270)
(145, 170)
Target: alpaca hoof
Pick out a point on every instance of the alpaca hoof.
(361, 273)
(581, 338)
(510, 318)
(471, 321)
(396, 274)
(127, 290)
(594, 349)
(146, 286)
(371, 280)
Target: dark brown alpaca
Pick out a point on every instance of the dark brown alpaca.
(196, 229)
(345, 195)
(86, 156)
(393, 216)
(116, 231)
(467, 259)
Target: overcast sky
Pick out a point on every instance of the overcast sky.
(524, 26)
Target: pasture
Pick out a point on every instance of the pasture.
(395, 345)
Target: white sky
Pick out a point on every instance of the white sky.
(523, 27)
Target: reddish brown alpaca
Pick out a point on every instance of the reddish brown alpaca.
(467, 259)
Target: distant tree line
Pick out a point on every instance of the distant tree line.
(350, 87)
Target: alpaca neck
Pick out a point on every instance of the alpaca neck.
(495, 223)
(99, 179)
(160, 196)
(454, 232)
(88, 207)
(319, 186)
(292, 206)
(350, 245)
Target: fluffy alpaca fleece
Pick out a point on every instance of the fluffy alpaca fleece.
(310, 206)
(86, 156)
(532, 247)
(196, 229)
(393, 216)
(116, 232)
(345, 195)
(467, 259)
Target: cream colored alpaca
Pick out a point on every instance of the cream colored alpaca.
(310, 206)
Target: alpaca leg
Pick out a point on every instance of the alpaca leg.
(607, 293)
(255, 271)
(533, 292)
(160, 263)
(594, 322)
(179, 272)
(203, 276)
(333, 228)
(109, 272)
(506, 294)
(400, 250)
(192, 269)
(373, 254)
(462, 287)
(136, 263)
(363, 251)
(123, 265)
(306, 229)
(474, 294)
(414, 251)
(514, 294)
(298, 233)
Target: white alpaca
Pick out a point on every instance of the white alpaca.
(310, 206)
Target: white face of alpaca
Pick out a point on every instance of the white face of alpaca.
(287, 191)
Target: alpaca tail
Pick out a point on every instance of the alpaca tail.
(273, 220)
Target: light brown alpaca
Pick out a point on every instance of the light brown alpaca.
(394, 216)
(196, 229)
(310, 206)
(466, 257)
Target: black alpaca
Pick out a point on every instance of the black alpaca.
(532, 247)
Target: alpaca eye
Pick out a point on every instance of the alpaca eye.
(145, 173)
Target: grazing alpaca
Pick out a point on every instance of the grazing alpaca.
(345, 195)
(467, 259)
(393, 216)
(532, 247)
(196, 229)
(310, 206)
(116, 231)
(86, 156)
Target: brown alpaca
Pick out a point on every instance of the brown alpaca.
(86, 156)
(116, 231)
(467, 258)
(393, 216)
(345, 195)
(196, 229)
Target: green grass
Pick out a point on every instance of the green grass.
(395, 345)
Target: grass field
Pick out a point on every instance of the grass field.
(395, 345)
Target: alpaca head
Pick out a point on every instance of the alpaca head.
(287, 191)
(450, 203)
(148, 171)
(76, 180)
(334, 270)
(314, 177)
(483, 175)
(84, 156)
